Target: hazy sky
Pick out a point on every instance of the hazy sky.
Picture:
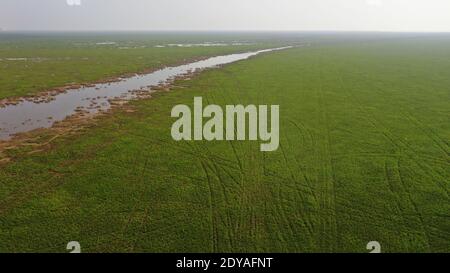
(381, 15)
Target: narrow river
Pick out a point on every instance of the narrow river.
(29, 115)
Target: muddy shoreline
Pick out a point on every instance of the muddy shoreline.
(41, 138)
(46, 95)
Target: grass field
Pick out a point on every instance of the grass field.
(364, 156)
(31, 63)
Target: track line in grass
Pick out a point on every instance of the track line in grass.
(214, 233)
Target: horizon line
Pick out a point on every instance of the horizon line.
(225, 30)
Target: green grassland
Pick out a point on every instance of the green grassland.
(56, 60)
(364, 156)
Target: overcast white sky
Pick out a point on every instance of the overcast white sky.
(378, 15)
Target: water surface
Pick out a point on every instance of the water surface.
(30, 115)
